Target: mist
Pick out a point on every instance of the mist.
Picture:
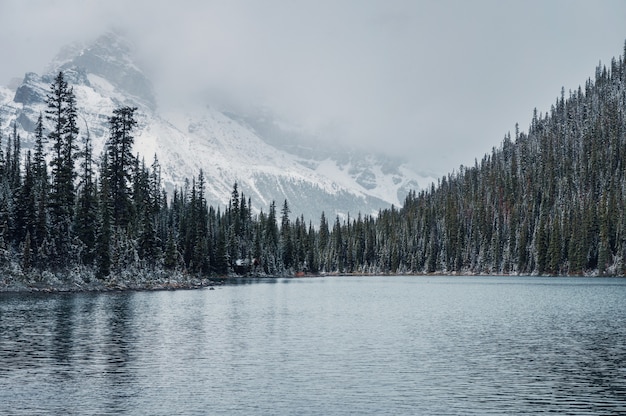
(437, 83)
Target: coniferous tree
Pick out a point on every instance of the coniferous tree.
(14, 162)
(286, 242)
(27, 253)
(201, 243)
(40, 171)
(24, 221)
(323, 241)
(104, 230)
(338, 247)
(61, 113)
(6, 201)
(270, 257)
(120, 162)
(171, 253)
(86, 218)
(220, 263)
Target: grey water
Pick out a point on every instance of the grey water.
(321, 346)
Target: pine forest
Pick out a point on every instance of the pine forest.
(546, 202)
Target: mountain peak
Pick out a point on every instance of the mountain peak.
(227, 147)
(110, 56)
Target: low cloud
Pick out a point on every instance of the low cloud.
(437, 82)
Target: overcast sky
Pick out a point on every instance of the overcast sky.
(440, 82)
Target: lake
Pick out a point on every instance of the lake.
(321, 346)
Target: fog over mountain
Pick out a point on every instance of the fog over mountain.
(268, 161)
(437, 83)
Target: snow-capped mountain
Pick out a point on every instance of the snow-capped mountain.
(228, 147)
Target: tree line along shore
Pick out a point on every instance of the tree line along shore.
(546, 202)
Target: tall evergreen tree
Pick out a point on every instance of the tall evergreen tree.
(25, 209)
(85, 220)
(104, 233)
(286, 241)
(120, 164)
(14, 159)
(61, 113)
(40, 171)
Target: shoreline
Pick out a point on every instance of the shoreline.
(109, 286)
(71, 283)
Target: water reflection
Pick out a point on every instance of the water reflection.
(320, 346)
(238, 281)
(62, 336)
(75, 344)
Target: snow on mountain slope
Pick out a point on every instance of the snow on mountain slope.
(385, 186)
(227, 150)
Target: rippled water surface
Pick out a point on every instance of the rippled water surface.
(327, 346)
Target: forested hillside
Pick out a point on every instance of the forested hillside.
(550, 201)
